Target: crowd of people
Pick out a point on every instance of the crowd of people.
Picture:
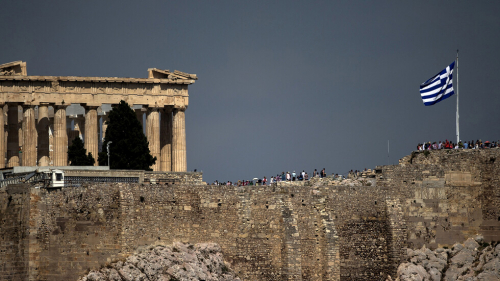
(304, 176)
(460, 145)
(283, 177)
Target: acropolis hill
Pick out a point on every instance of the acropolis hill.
(315, 230)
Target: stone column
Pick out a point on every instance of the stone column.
(140, 113)
(179, 162)
(6, 132)
(2, 138)
(105, 119)
(60, 136)
(91, 132)
(29, 136)
(43, 135)
(72, 132)
(68, 129)
(153, 135)
(80, 122)
(166, 140)
(13, 137)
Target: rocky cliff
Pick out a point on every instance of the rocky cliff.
(179, 261)
(473, 260)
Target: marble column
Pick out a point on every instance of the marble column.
(91, 132)
(166, 140)
(105, 119)
(2, 138)
(13, 137)
(153, 135)
(140, 113)
(29, 136)
(80, 126)
(6, 130)
(179, 162)
(60, 136)
(43, 135)
(72, 132)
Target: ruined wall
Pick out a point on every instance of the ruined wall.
(262, 231)
(14, 229)
(266, 233)
(361, 219)
(303, 231)
(446, 196)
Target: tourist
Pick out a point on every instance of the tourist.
(293, 175)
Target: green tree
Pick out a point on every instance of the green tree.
(77, 154)
(129, 148)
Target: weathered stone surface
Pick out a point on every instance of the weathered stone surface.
(174, 262)
(469, 261)
(412, 272)
(311, 230)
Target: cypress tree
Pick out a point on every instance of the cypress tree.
(76, 154)
(129, 149)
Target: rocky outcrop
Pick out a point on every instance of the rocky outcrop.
(168, 263)
(473, 260)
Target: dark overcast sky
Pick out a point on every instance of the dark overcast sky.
(283, 85)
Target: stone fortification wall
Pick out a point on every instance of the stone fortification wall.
(14, 229)
(192, 178)
(266, 233)
(446, 196)
(314, 231)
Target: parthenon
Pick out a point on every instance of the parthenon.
(40, 137)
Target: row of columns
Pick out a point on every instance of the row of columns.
(167, 139)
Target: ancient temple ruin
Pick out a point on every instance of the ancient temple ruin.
(34, 136)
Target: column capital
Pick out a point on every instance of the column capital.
(153, 109)
(59, 106)
(25, 106)
(180, 108)
(87, 106)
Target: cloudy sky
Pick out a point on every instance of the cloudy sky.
(283, 85)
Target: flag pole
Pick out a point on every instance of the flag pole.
(458, 127)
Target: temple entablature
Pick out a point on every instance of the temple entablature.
(162, 88)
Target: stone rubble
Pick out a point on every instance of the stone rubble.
(179, 261)
(474, 260)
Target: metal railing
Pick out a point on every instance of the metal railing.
(25, 178)
(77, 181)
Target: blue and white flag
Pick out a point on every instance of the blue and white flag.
(439, 87)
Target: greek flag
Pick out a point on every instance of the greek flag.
(439, 87)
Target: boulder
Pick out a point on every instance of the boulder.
(164, 263)
(412, 272)
(473, 260)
